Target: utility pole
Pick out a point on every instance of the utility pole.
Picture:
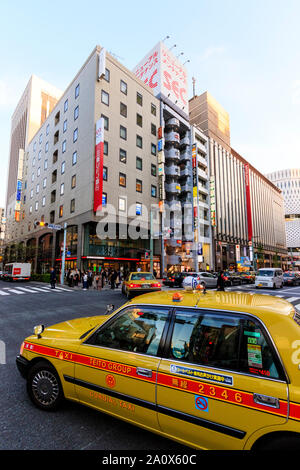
(63, 258)
(151, 240)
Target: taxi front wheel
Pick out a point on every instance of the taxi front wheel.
(44, 387)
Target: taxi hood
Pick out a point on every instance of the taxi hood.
(71, 330)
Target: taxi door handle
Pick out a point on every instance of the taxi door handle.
(266, 401)
(144, 372)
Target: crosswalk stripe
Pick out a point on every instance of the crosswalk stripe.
(62, 288)
(25, 289)
(297, 306)
(16, 291)
(3, 293)
(40, 289)
(292, 299)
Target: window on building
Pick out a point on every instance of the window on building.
(123, 87)
(153, 149)
(153, 170)
(138, 208)
(37, 189)
(61, 211)
(47, 129)
(139, 99)
(30, 210)
(65, 125)
(153, 109)
(73, 182)
(72, 206)
(63, 167)
(123, 156)
(39, 171)
(139, 141)
(106, 122)
(54, 176)
(66, 106)
(34, 146)
(31, 193)
(56, 137)
(153, 191)
(105, 173)
(75, 135)
(139, 186)
(55, 156)
(123, 132)
(64, 146)
(122, 204)
(32, 177)
(139, 120)
(77, 90)
(53, 196)
(44, 182)
(105, 148)
(41, 138)
(56, 118)
(36, 206)
(122, 180)
(104, 97)
(33, 161)
(107, 75)
(104, 199)
(44, 201)
(39, 155)
(52, 217)
(46, 147)
(153, 129)
(139, 163)
(62, 189)
(45, 164)
(74, 158)
(76, 113)
(123, 109)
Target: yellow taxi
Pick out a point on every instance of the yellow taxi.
(140, 283)
(217, 370)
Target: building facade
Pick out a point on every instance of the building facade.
(288, 181)
(59, 173)
(247, 213)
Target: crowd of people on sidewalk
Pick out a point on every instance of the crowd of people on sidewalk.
(94, 280)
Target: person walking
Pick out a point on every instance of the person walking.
(53, 278)
(85, 281)
(221, 281)
(113, 279)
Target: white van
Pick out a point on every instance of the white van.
(17, 272)
(269, 277)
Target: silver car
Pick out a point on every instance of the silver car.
(208, 279)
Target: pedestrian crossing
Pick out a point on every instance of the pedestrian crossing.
(295, 300)
(18, 290)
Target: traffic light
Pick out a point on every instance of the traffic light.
(40, 224)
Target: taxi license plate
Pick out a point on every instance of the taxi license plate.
(145, 286)
(260, 285)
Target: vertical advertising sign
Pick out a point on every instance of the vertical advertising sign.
(248, 203)
(102, 63)
(99, 152)
(213, 201)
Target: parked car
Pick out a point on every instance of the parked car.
(247, 277)
(291, 279)
(232, 278)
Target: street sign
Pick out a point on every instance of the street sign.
(54, 227)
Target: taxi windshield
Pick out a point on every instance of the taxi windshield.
(142, 277)
(266, 273)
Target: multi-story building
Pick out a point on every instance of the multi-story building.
(36, 103)
(247, 213)
(2, 235)
(60, 176)
(288, 181)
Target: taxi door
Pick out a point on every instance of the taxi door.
(116, 368)
(220, 380)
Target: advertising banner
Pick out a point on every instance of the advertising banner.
(99, 152)
(248, 203)
(165, 75)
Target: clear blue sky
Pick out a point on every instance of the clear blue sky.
(246, 54)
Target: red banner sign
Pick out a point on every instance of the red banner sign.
(99, 152)
(248, 203)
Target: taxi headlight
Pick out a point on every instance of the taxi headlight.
(38, 330)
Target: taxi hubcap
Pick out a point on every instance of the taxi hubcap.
(45, 387)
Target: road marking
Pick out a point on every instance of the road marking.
(297, 306)
(3, 293)
(16, 291)
(61, 288)
(26, 289)
(292, 299)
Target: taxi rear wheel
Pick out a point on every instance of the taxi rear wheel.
(44, 387)
(280, 443)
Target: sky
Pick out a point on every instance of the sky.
(246, 54)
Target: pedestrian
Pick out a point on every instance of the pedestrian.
(53, 278)
(113, 279)
(221, 282)
(85, 281)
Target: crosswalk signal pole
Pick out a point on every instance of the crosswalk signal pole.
(63, 258)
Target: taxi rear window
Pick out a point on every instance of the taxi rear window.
(142, 276)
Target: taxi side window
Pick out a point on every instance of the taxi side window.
(207, 339)
(257, 356)
(137, 329)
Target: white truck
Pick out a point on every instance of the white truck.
(17, 272)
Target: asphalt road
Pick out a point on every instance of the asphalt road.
(73, 427)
